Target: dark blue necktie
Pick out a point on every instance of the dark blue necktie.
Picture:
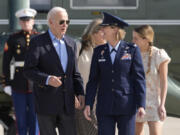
(113, 50)
(113, 54)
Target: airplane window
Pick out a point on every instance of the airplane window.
(40, 5)
(104, 3)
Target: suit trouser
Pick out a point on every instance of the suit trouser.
(107, 124)
(64, 122)
(25, 113)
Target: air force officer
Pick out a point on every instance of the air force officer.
(117, 72)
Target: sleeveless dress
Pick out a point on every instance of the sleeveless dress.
(153, 83)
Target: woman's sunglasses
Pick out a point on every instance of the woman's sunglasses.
(64, 21)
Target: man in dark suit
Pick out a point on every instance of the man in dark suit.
(15, 83)
(117, 71)
(51, 65)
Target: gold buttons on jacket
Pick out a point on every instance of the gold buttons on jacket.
(18, 51)
(28, 36)
(27, 39)
(17, 70)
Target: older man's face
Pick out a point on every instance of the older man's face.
(59, 24)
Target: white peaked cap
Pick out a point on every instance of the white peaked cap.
(26, 12)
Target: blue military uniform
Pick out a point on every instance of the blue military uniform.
(120, 83)
(15, 49)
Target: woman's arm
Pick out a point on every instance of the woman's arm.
(163, 71)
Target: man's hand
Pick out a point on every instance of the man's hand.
(81, 100)
(141, 112)
(87, 112)
(77, 104)
(55, 81)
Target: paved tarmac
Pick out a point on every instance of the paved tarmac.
(171, 127)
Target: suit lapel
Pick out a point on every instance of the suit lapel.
(69, 49)
(52, 51)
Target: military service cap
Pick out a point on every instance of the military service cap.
(109, 20)
(26, 14)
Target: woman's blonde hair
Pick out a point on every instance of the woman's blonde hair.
(121, 34)
(147, 32)
(91, 29)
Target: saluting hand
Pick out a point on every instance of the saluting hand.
(87, 112)
(55, 81)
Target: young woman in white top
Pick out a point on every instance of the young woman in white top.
(155, 62)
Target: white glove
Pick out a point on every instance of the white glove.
(8, 90)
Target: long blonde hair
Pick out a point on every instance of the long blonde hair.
(147, 32)
(87, 40)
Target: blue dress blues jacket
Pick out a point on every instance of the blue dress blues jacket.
(120, 87)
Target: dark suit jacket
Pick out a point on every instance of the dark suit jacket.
(121, 86)
(42, 61)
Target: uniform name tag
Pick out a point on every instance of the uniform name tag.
(101, 60)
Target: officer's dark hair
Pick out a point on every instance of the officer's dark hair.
(86, 40)
(147, 32)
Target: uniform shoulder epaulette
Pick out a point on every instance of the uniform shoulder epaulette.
(13, 35)
(131, 44)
